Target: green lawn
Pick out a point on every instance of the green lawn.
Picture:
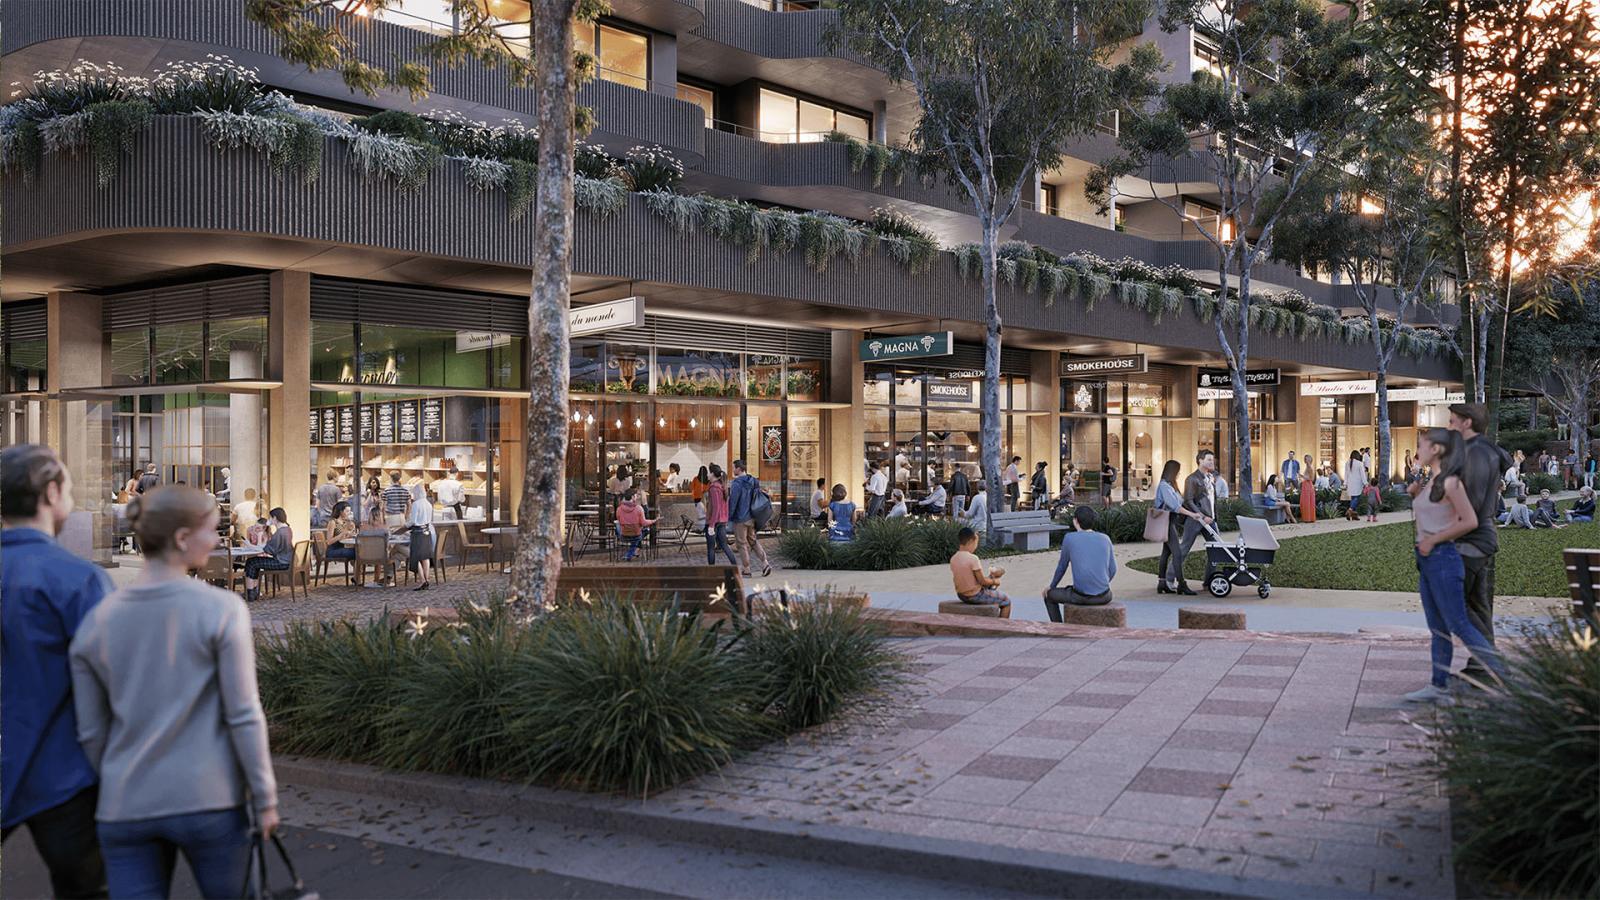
(1380, 559)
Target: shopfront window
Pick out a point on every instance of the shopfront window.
(627, 369)
(238, 349)
(696, 373)
(180, 353)
(25, 366)
(130, 356)
(806, 379)
(587, 366)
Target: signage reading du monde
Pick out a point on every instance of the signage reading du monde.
(1088, 366)
(597, 317)
(907, 346)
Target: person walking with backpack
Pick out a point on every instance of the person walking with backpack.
(749, 508)
(164, 685)
(45, 593)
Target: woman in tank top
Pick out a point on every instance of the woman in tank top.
(1443, 512)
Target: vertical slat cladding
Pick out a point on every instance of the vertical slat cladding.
(175, 181)
(774, 35)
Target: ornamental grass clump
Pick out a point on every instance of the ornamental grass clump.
(1522, 762)
(806, 548)
(811, 661)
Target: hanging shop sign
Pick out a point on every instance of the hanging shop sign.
(1078, 367)
(1253, 378)
(597, 317)
(772, 443)
(469, 341)
(1428, 396)
(945, 391)
(907, 346)
(1337, 388)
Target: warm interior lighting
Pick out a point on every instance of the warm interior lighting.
(661, 422)
(508, 10)
(1370, 207)
(693, 423)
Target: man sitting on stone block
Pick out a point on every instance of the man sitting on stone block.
(973, 585)
(1089, 554)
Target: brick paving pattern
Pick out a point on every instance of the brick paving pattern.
(1280, 759)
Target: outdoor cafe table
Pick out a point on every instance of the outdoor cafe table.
(497, 531)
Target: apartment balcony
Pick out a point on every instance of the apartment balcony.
(178, 204)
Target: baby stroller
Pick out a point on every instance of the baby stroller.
(1242, 562)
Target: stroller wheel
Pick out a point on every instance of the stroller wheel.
(1219, 585)
(1263, 589)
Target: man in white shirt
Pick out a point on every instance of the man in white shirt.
(976, 515)
(1010, 482)
(1219, 488)
(877, 487)
(934, 503)
(451, 493)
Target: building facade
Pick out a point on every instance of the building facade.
(243, 329)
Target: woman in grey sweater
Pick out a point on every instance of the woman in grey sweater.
(164, 685)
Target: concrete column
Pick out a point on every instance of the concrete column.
(289, 361)
(1181, 429)
(79, 430)
(880, 121)
(847, 427)
(1044, 432)
(664, 64)
(244, 423)
(1307, 424)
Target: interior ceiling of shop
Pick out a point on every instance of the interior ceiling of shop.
(124, 261)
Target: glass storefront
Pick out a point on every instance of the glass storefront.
(23, 353)
(1121, 423)
(1270, 438)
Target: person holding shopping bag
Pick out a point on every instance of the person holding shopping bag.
(164, 685)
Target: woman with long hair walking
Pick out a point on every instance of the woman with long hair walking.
(164, 682)
(717, 517)
(1443, 512)
(1169, 498)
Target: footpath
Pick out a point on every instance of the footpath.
(1138, 764)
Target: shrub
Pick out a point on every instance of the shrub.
(1529, 442)
(64, 92)
(290, 144)
(1229, 510)
(1521, 762)
(1124, 523)
(882, 544)
(590, 161)
(1543, 481)
(397, 123)
(328, 686)
(906, 241)
(810, 660)
(651, 169)
(216, 85)
(109, 129)
(1393, 499)
(379, 155)
(938, 538)
(807, 548)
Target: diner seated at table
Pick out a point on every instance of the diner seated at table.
(342, 532)
(934, 503)
(277, 553)
(631, 523)
(842, 516)
(258, 533)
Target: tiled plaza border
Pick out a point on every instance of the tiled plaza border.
(966, 862)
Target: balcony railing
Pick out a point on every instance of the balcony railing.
(791, 5)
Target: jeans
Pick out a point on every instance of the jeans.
(1071, 596)
(340, 551)
(633, 541)
(1478, 590)
(874, 505)
(140, 854)
(1441, 577)
(65, 838)
(717, 536)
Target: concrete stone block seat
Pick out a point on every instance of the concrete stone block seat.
(1212, 618)
(957, 608)
(1109, 615)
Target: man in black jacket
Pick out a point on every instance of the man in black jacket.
(1199, 496)
(960, 490)
(1483, 475)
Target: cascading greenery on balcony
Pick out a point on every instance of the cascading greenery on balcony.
(100, 111)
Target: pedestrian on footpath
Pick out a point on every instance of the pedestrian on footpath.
(1355, 483)
(1200, 501)
(877, 487)
(1443, 512)
(744, 499)
(1480, 472)
(1170, 500)
(164, 684)
(1011, 484)
(46, 783)
(1039, 485)
(1308, 492)
(716, 498)
(1591, 471)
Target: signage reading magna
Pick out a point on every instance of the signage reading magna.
(1088, 366)
(907, 346)
(1253, 378)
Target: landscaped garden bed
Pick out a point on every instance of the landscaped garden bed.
(597, 695)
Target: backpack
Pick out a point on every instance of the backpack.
(760, 507)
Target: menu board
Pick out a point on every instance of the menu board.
(330, 425)
(315, 427)
(366, 423)
(385, 423)
(406, 417)
(347, 424)
(433, 421)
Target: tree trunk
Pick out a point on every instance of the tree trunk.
(1241, 398)
(989, 402)
(1480, 358)
(1470, 357)
(1578, 420)
(538, 558)
(1385, 440)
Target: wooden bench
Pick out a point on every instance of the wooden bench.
(1583, 582)
(690, 587)
(1028, 529)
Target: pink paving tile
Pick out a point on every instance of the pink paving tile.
(1065, 731)
(1180, 782)
(1095, 701)
(973, 693)
(1234, 708)
(1196, 739)
(932, 721)
(1016, 768)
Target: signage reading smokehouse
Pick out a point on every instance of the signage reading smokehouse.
(942, 391)
(1088, 366)
(907, 346)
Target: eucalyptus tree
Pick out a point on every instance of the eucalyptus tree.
(1371, 219)
(1515, 88)
(1004, 87)
(325, 35)
(1553, 343)
(1283, 84)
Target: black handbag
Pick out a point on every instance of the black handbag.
(256, 885)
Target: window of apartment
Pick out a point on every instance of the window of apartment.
(1205, 58)
(786, 119)
(701, 97)
(1206, 218)
(623, 56)
(1119, 218)
(1047, 200)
